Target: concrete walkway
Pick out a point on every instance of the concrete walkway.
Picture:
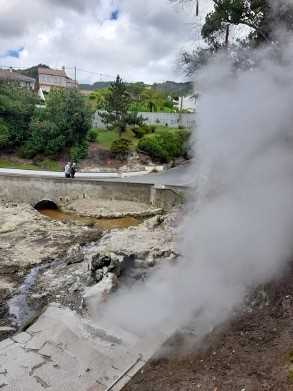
(63, 352)
(178, 176)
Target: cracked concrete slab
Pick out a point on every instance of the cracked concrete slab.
(63, 351)
(22, 338)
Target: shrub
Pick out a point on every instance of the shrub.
(92, 135)
(4, 135)
(152, 145)
(164, 145)
(143, 130)
(45, 139)
(120, 148)
(135, 119)
(79, 152)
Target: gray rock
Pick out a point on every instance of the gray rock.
(99, 261)
(74, 255)
(99, 274)
(115, 267)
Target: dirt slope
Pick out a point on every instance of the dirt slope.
(254, 352)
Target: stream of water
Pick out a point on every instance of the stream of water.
(19, 309)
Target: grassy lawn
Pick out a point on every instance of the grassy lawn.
(105, 138)
(161, 128)
(49, 165)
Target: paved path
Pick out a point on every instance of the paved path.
(180, 176)
(63, 352)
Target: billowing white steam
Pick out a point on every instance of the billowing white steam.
(239, 232)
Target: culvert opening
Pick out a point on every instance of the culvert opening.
(46, 205)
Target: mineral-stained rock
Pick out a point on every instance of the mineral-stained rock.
(148, 242)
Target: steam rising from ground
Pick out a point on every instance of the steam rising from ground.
(239, 231)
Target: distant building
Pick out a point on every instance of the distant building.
(12, 77)
(48, 79)
(186, 103)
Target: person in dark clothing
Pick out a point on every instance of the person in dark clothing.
(73, 170)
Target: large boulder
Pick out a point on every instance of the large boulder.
(103, 263)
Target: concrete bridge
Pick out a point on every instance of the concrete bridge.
(62, 351)
(36, 188)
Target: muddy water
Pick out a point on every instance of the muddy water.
(102, 223)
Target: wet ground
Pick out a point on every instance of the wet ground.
(101, 223)
(32, 293)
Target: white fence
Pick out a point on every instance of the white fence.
(173, 120)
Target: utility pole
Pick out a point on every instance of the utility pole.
(75, 76)
(197, 8)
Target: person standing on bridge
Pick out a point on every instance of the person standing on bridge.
(67, 170)
(73, 170)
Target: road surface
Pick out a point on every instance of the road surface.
(179, 176)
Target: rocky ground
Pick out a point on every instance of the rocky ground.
(28, 239)
(81, 266)
(94, 270)
(45, 261)
(252, 352)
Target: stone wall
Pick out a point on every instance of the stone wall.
(34, 189)
(173, 120)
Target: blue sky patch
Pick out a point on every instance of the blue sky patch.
(115, 14)
(15, 53)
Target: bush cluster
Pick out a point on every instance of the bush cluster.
(92, 135)
(164, 146)
(79, 151)
(120, 148)
(62, 123)
(141, 131)
(4, 134)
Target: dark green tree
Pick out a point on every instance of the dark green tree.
(17, 106)
(69, 111)
(262, 16)
(64, 122)
(116, 106)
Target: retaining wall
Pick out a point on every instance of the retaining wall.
(173, 120)
(61, 191)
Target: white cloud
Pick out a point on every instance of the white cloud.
(142, 44)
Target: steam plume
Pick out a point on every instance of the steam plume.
(239, 231)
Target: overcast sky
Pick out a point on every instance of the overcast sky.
(139, 39)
